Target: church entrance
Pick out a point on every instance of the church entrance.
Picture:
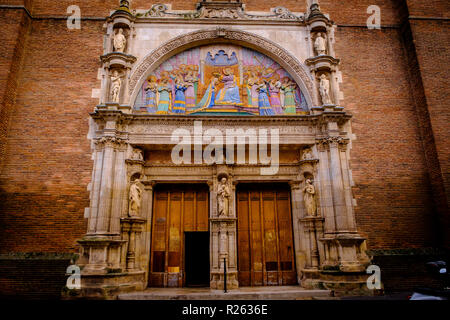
(180, 222)
(197, 259)
(265, 240)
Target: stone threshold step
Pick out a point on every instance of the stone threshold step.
(244, 293)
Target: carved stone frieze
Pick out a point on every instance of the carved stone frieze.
(221, 10)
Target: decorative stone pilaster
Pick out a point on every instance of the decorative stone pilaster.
(223, 230)
(311, 225)
(132, 227)
(301, 250)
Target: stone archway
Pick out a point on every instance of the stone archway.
(221, 35)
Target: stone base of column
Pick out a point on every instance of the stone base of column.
(345, 253)
(311, 279)
(106, 286)
(341, 283)
(217, 280)
(100, 254)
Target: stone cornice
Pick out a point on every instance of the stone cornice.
(335, 116)
(244, 122)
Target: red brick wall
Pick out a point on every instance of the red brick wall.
(14, 24)
(103, 7)
(394, 206)
(431, 41)
(47, 165)
(48, 159)
(429, 8)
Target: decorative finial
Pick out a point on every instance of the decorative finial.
(125, 4)
(314, 10)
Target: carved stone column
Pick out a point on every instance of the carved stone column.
(101, 244)
(341, 245)
(337, 185)
(326, 208)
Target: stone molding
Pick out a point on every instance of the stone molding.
(322, 63)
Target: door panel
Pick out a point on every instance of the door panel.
(265, 242)
(176, 209)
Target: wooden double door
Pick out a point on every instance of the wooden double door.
(265, 237)
(180, 223)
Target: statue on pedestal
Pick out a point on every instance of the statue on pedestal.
(116, 83)
(320, 45)
(223, 197)
(120, 41)
(309, 198)
(324, 89)
(135, 196)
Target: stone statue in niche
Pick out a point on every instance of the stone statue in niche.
(116, 83)
(320, 44)
(223, 197)
(120, 41)
(307, 154)
(309, 197)
(137, 154)
(135, 196)
(324, 89)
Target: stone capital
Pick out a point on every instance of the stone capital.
(110, 142)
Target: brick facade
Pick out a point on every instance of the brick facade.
(394, 84)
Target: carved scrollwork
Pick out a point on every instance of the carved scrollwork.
(284, 13)
(332, 141)
(210, 10)
(157, 10)
(109, 141)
